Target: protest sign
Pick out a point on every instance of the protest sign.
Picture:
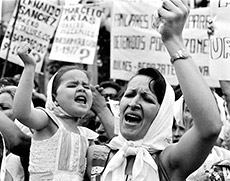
(136, 43)
(220, 41)
(197, 41)
(35, 22)
(77, 34)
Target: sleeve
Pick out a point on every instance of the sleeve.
(88, 133)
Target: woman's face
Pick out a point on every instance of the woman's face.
(74, 94)
(138, 108)
(6, 103)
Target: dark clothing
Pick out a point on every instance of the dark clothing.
(101, 159)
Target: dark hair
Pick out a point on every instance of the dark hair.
(157, 84)
(112, 84)
(61, 72)
(8, 89)
(5, 81)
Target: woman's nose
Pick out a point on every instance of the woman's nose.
(134, 104)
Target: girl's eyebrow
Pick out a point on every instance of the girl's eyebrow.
(78, 82)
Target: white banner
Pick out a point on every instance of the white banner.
(36, 22)
(220, 42)
(198, 43)
(77, 34)
(135, 42)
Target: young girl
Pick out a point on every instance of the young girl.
(59, 145)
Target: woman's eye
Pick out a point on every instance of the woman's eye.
(149, 100)
(128, 94)
(3, 108)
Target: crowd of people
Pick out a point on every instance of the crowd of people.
(165, 133)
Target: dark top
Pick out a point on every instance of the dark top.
(100, 160)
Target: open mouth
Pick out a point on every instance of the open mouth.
(81, 99)
(132, 118)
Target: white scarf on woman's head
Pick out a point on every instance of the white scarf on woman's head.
(157, 138)
(50, 104)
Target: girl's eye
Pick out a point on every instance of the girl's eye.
(86, 86)
(71, 85)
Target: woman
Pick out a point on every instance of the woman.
(14, 164)
(143, 149)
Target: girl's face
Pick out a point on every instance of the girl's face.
(138, 108)
(6, 102)
(74, 94)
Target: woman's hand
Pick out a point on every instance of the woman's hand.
(173, 14)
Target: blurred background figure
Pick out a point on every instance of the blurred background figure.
(110, 89)
(38, 98)
(14, 166)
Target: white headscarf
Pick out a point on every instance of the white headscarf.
(157, 138)
(57, 110)
(50, 104)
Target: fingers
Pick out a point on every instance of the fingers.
(170, 8)
(24, 49)
(96, 88)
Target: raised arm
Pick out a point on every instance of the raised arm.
(102, 111)
(16, 141)
(195, 144)
(22, 104)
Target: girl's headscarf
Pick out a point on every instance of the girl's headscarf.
(156, 139)
(50, 104)
(57, 110)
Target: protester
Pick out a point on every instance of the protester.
(146, 117)
(14, 166)
(18, 143)
(57, 135)
(4, 174)
(110, 89)
(55, 129)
